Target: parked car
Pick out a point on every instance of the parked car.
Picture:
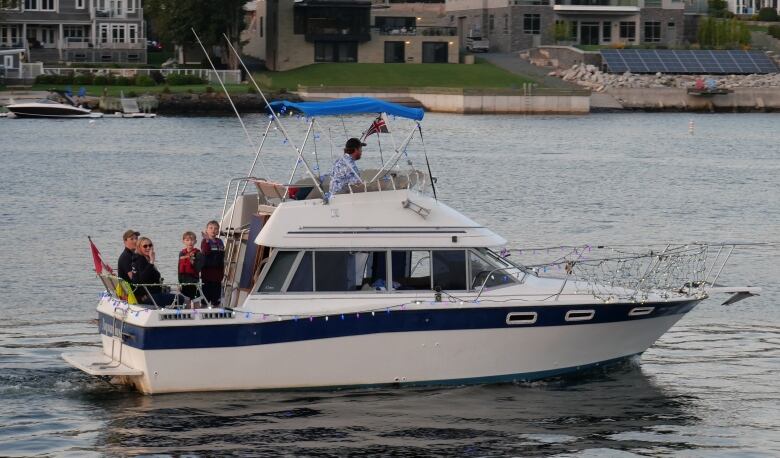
(477, 44)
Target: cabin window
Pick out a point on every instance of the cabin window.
(449, 269)
(303, 280)
(349, 270)
(412, 269)
(278, 272)
(489, 270)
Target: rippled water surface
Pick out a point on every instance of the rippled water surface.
(708, 387)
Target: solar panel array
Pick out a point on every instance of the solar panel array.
(689, 61)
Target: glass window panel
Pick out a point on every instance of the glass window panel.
(334, 271)
(303, 280)
(277, 274)
(487, 273)
(412, 269)
(449, 269)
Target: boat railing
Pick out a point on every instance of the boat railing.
(273, 193)
(122, 290)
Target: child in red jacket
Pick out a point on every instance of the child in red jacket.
(190, 265)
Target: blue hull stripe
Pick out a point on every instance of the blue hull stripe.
(241, 334)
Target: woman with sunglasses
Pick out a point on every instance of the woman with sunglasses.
(149, 289)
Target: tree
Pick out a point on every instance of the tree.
(175, 19)
(719, 8)
(723, 33)
(8, 5)
(768, 14)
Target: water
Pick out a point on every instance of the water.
(708, 387)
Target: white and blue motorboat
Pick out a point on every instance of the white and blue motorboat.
(385, 284)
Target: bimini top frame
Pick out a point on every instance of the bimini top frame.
(348, 106)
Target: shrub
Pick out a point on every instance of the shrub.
(102, 80)
(84, 78)
(44, 79)
(166, 89)
(767, 15)
(178, 79)
(209, 89)
(144, 80)
(774, 30)
(251, 90)
(722, 34)
(123, 81)
(132, 94)
(54, 79)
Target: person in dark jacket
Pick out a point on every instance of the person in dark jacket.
(148, 281)
(214, 266)
(125, 263)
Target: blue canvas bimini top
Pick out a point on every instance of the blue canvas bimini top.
(351, 105)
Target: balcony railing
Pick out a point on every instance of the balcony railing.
(118, 14)
(86, 43)
(597, 3)
(418, 31)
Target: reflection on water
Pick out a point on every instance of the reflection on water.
(707, 387)
(527, 419)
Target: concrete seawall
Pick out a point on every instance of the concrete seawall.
(472, 101)
(678, 99)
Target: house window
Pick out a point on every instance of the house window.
(628, 31)
(131, 6)
(39, 5)
(261, 26)
(395, 52)
(335, 51)
(491, 23)
(79, 4)
(506, 23)
(532, 24)
(9, 35)
(435, 52)
(652, 32)
(606, 31)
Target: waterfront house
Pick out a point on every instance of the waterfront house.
(287, 34)
(52, 31)
(513, 25)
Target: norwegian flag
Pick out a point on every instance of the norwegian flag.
(377, 126)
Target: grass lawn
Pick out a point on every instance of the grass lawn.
(757, 28)
(479, 75)
(114, 91)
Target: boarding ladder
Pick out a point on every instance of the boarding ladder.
(118, 318)
(129, 105)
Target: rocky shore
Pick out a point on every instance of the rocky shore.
(209, 103)
(591, 77)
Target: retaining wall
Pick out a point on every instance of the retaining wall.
(476, 102)
(678, 99)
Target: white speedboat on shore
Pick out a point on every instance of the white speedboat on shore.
(387, 285)
(49, 108)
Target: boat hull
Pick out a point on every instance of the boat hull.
(396, 357)
(44, 111)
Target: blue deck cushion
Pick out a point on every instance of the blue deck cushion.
(351, 105)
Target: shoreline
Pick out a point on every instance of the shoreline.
(464, 101)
